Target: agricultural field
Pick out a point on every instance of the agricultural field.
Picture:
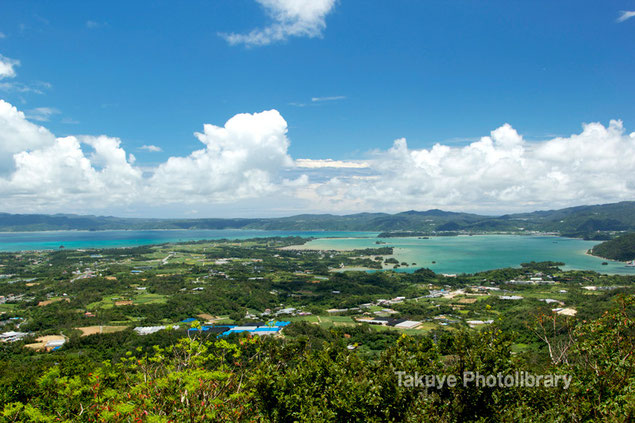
(104, 305)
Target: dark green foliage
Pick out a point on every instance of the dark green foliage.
(621, 248)
(312, 377)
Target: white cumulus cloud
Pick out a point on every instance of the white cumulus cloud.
(240, 160)
(245, 163)
(41, 172)
(61, 175)
(499, 172)
(322, 163)
(7, 67)
(291, 18)
(17, 134)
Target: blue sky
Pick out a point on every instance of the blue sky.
(356, 76)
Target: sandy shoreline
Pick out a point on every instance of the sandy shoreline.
(588, 253)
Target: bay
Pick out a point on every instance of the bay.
(52, 240)
(452, 255)
(469, 254)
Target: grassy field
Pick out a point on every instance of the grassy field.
(148, 298)
(328, 321)
(324, 321)
(144, 298)
(7, 307)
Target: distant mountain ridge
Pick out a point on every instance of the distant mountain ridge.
(597, 222)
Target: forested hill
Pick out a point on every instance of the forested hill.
(583, 221)
(621, 248)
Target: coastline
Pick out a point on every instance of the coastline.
(460, 254)
(587, 253)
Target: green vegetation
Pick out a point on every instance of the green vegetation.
(349, 333)
(312, 377)
(621, 248)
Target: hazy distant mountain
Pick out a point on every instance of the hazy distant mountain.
(583, 221)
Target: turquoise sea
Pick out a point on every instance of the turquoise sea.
(468, 254)
(461, 254)
(52, 240)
